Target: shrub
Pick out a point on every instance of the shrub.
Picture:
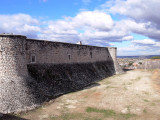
(130, 63)
(140, 63)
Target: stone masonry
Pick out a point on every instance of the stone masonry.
(35, 71)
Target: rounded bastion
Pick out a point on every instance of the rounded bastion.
(14, 93)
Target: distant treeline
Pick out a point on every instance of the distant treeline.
(155, 57)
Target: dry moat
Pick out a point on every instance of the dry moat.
(134, 95)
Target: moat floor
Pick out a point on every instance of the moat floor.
(132, 95)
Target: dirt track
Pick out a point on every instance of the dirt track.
(133, 95)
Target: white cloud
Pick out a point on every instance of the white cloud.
(19, 24)
(141, 16)
(91, 27)
(130, 50)
(138, 9)
(147, 42)
(128, 38)
(94, 20)
(86, 1)
(143, 28)
(144, 41)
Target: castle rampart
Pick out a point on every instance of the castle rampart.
(58, 52)
(34, 71)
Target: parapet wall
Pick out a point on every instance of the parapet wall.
(34, 71)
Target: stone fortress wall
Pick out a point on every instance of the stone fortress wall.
(150, 64)
(57, 52)
(35, 71)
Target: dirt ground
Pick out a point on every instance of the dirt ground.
(133, 95)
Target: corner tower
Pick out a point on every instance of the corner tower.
(14, 91)
(113, 53)
(12, 55)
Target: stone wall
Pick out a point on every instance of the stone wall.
(14, 94)
(13, 56)
(113, 53)
(32, 71)
(57, 79)
(57, 52)
(150, 64)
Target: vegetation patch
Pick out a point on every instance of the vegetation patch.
(130, 63)
(155, 57)
(127, 115)
(69, 116)
(130, 83)
(153, 104)
(137, 79)
(107, 113)
(129, 108)
(146, 93)
(75, 116)
(145, 100)
(111, 87)
(125, 88)
(107, 82)
(110, 113)
(140, 63)
(144, 111)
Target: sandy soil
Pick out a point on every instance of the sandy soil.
(132, 95)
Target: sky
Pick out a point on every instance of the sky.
(133, 26)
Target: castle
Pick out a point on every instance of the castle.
(33, 71)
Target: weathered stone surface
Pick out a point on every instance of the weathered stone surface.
(63, 78)
(16, 94)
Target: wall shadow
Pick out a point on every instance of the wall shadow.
(52, 80)
(92, 85)
(125, 70)
(10, 117)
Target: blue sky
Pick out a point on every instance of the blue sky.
(52, 9)
(119, 23)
